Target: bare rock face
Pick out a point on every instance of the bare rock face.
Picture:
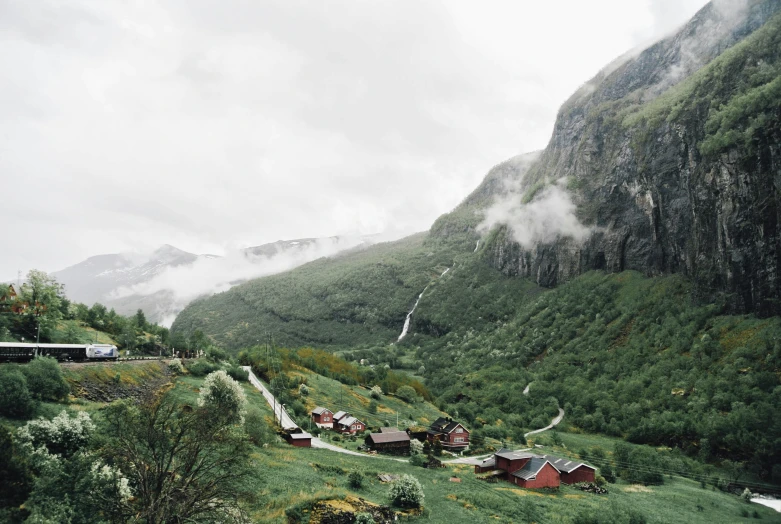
(660, 188)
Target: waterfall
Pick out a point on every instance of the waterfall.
(409, 317)
(411, 311)
(478, 245)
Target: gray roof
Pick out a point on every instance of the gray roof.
(530, 470)
(513, 455)
(319, 411)
(340, 414)
(386, 438)
(300, 436)
(348, 421)
(444, 425)
(565, 465)
(488, 463)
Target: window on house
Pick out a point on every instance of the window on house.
(352, 427)
(460, 430)
(458, 439)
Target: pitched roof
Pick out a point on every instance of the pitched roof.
(566, 465)
(386, 438)
(340, 414)
(513, 455)
(444, 425)
(488, 463)
(348, 421)
(319, 411)
(300, 436)
(530, 470)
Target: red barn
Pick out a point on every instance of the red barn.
(349, 425)
(322, 417)
(451, 434)
(537, 472)
(572, 471)
(299, 440)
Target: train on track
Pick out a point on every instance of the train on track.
(24, 352)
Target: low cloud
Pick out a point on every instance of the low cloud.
(179, 285)
(550, 215)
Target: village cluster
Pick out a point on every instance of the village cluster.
(524, 469)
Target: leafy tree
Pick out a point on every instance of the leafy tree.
(407, 394)
(15, 478)
(364, 518)
(140, 320)
(355, 479)
(223, 398)
(372, 408)
(71, 484)
(45, 379)
(406, 492)
(15, 398)
(376, 393)
(185, 464)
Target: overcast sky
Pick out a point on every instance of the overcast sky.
(214, 125)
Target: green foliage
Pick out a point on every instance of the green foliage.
(418, 460)
(184, 463)
(364, 518)
(45, 379)
(61, 436)
(201, 367)
(257, 429)
(406, 492)
(15, 477)
(355, 480)
(175, 366)
(407, 394)
(223, 399)
(15, 398)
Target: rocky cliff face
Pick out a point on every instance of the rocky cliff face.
(673, 158)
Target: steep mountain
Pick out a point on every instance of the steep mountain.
(673, 162)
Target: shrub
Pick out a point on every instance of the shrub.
(355, 480)
(407, 394)
(238, 374)
(175, 366)
(61, 435)
(406, 492)
(15, 399)
(223, 397)
(418, 460)
(372, 407)
(376, 393)
(303, 390)
(45, 379)
(364, 518)
(415, 446)
(257, 430)
(746, 495)
(216, 355)
(201, 368)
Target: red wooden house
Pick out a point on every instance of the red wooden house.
(322, 417)
(528, 470)
(451, 434)
(572, 471)
(348, 425)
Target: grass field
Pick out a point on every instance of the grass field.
(336, 396)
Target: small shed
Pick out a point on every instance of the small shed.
(395, 442)
(299, 440)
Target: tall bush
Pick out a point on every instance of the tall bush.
(406, 492)
(15, 398)
(45, 379)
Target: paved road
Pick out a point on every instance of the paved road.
(279, 412)
(554, 422)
